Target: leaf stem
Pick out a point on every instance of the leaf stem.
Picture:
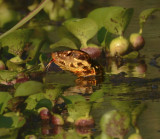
(26, 18)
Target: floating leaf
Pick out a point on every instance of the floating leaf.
(13, 67)
(18, 121)
(6, 122)
(145, 14)
(84, 29)
(52, 94)
(16, 41)
(6, 75)
(4, 98)
(65, 42)
(44, 103)
(117, 21)
(29, 88)
(74, 99)
(33, 52)
(97, 95)
(32, 100)
(78, 109)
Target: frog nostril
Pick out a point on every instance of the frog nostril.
(71, 65)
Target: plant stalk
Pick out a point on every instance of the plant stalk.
(26, 18)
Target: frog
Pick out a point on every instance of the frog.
(77, 62)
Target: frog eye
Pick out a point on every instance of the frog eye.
(69, 53)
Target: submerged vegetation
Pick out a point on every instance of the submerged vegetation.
(35, 102)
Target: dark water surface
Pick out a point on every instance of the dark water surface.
(145, 88)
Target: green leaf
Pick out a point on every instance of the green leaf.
(29, 88)
(32, 100)
(99, 15)
(44, 103)
(74, 99)
(16, 41)
(18, 121)
(52, 94)
(62, 44)
(78, 109)
(84, 29)
(4, 98)
(97, 95)
(6, 122)
(101, 35)
(13, 67)
(6, 75)
(144, 16)
(33, 52)
(117, 20)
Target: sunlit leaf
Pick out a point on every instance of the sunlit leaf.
(32, 100)
(99, 15)
(74, 99)
(6, 75)
(4, 98)
(118, 19)
(65, 42)
(33, 52)
(84, 29)
(16, 41)
(145, 14)
(13, 67)
(29, 88)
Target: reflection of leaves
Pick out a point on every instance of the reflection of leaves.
(115, 123)
(77, 106)
(16, 41)
(131, 55)
(4, 98)
(145, 14)
(65, 78)
(78, 109)
(29, 88)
